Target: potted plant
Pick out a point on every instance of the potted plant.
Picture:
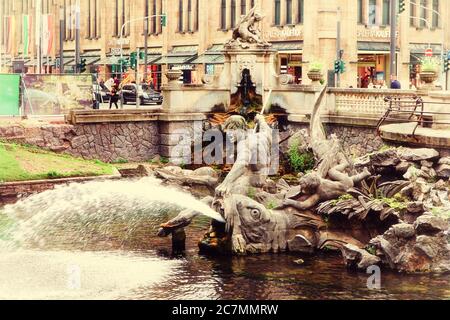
(315, 71)
(429, 70)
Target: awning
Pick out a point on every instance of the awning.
(213, 55)
(114, 60)
(173, 59)
(420, 48)
(150, 58)
(209, 59)
(178, 55)
(369, 47)
(91, 60)
(288, 46)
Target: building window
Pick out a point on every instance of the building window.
(223, 15)
(233, 13)
(412, 9)
(300, 11)
(360, 12)
(116, 18)
(435, 13)
(423, 13)
(154, 19)
(288, 11)
(372, 12)
(277, 13)
(243, 7)
(386, 12)
(197, 16)
(180, 15)
(189, 22)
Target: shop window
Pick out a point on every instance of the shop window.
(386, 12)
(372, 12)
(277, 13)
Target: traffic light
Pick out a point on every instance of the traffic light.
(163, 20)
(141, 55)
(82, 66)
(133, 60)
(446, 64)
(401, 6)
(337, 66)
(342, 66)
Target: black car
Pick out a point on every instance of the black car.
(146, 95)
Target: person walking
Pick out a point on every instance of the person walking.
(114, 97)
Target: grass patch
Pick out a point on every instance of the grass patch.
(19, 163)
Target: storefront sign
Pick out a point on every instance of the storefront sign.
(284, 34)
(183, 67)
(374, 33)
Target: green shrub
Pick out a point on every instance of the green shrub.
(53, 175)
(300, 162)
(120, 161)
(316, 66)
(430, 64)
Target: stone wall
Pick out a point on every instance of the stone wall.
(109, 142)
(356, 141)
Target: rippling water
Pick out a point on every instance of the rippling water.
(107, 248)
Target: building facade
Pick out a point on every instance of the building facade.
(302, 31)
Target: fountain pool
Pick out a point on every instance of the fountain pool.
(74, 243)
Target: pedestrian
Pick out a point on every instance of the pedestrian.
(395, 84)
(114, 97)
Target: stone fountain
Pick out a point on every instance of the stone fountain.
(368, 212)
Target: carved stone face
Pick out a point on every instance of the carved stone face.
(253, 227)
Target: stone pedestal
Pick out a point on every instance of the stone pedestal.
(260, 61)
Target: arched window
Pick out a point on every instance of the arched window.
(180, 15)
(223, 14)
(233, 13)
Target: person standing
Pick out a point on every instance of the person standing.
(114, 97)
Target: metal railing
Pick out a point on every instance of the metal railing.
(413, 110)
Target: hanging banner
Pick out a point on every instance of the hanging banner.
(55, 94)
(9, 95)
(47, 34)
(26, 29)
(10, 35)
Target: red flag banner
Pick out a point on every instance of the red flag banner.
(47, 34)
